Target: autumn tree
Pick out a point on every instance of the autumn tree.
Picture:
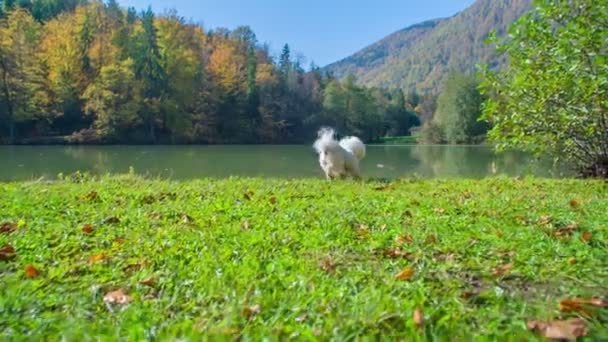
(19, 73)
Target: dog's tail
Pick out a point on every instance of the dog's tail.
(325, 140)
(354, 145)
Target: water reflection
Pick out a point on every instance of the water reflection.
(187, 162)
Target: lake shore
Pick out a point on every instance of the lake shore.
(134, 258)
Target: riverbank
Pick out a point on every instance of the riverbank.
(138, 259)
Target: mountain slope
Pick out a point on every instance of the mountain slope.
(420, 56)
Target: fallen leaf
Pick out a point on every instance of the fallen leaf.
(92, 196)
(150, 281)
(97, 258)
(544, 220)
(598, 302)
(418, 317)
(586, 237)
(8, 227)
(187, 219)
(31, 271)
(245, 225)
(396, 253)
(7, 252)
(248, 195)
(571, 260)
(155, 216)
(573, 305)
(328, 265)
(431, 239)
(500, 270)
(403, 239)
(119, 240)
(251, 311)
(136, 266)
(574, 204)
(439, 211)
(499, 234)
(362, 231)
(272, 200)
(405, 274)
(468, 294)
(117, 297)
(112, 220)
(301, 318)
(87, 229)
(570, 329)
(567, 230)
(576, 304)
(408, 214)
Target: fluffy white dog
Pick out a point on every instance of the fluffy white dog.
(339, 159)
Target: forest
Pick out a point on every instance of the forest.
(92, 72)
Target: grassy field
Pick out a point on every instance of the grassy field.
(307, 259)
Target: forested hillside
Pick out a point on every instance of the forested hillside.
(421, 56)
(75, 71)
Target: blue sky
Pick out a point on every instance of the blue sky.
(324, 31)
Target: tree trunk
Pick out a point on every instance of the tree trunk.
(11, 132)
(152, 133)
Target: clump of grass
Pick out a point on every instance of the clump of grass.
(124, 257)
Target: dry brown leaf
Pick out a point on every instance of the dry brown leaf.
(92, 196)
(187, 219)
(150, 281)
(117, 297)
(403, 239)
(567, 230)
(500, 270)
(439, 211)
(396, 253)
(119, 240)
(570, 329)
(97, 258)
(7, 252)
(408, 214)
(431, 239)
(574, 305)
(87, 229)
(574, 204)
(155, 216)
(328, 265)
(248, 195)
(251, 311)
(586, 237)
(272, 200)
(112, 220)
(405, 274)
(8, 227)
(418, 317)
(578, 304)
(468, 294)
(136, 267)
(545, 220)
(31, 271)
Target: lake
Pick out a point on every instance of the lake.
(284, 161)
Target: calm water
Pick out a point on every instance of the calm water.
(187, 162)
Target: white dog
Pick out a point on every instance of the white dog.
(339, 159)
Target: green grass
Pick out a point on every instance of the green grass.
(319, 258)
